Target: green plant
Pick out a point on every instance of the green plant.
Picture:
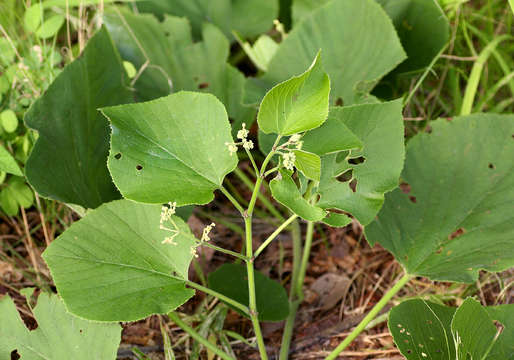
(59, 335)
(130, 254)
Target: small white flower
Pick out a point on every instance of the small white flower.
(194, 252)
(289, 159)
(232, 148)
(206, 231)
(294, 138)
(243, 133)
(248, 144)
(168, 211)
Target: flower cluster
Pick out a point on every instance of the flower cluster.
(245, 143)
(287, 153)
(166, 216)
(205, 238)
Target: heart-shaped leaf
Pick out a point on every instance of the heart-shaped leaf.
(457, 217)
(170, 149)
(247, 17)
(59, 335)
(170, 61)
(121, 269)
(285, 191)
(356, 181)
(358, 42)
(68, 161)
(423, 330)
(297, 104)
(231, 280)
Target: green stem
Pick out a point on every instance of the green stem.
(202, 340)
(216, 294)
(254, 315)
(264, 200)
(252, 303)
(370, 316)
(270, 238)
(305, 260)
(288, 329)
(232, 199)
(476, 72)
(225, 251)
(294, 300)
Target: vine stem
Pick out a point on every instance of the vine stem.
(247, 215)
(274, 235)
(202, 340)
(216, 294)
(370, 316)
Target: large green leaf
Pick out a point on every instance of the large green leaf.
(7, 163)
(59, 335)
(423, 330)
(170, 149)
(112, 265)
(421, 25)
(380, 128)
(285, 191)
(358, 42)
(231, 280)
(172, 62)
(247, 17)
(297, 104)
(458, 217)
(68, 161)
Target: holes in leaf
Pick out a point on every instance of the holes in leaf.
(405, 188)
(438, 351)
(203, 85)
(413, 199)
(15, 355)
(409, 351)
(457, 233)
(139, 167)
(339, 102)
(357, 161)
(117, 156)
(353, 185)
(491, 166)
(346, 176)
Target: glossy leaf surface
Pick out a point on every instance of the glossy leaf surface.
(297, 104)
